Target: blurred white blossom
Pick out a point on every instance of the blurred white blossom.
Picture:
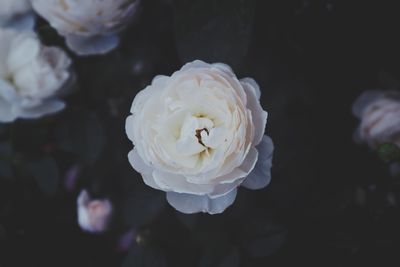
(379, 112)
(89, 26)
(198, 135)
(32, 76)
(93, 215)
(16, 14)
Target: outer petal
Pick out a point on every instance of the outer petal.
(145, 170)
(22, 22)
(364, 100)
(48, 107)
(187, 203)
(252, 85)
(178, 183)
(195, 64)
(260, 177)
(258, 114)
(129, 127)
(243, 170)
(87, 46)
(6, 114)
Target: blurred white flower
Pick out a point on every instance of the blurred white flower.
(198, 135)
(93, 215)
(16, 14)
(379, 112)
(32, 76)
(89, 26)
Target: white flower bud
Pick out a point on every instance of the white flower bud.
(93, 215)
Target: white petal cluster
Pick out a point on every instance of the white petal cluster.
(32, 76)
(198, 135)
(89, 26)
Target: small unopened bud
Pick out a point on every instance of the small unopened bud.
(93, 215)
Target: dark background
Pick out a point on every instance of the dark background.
(331, 202)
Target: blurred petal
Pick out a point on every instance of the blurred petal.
(46, 108)
(364, 100)
(22, 22)
(7, 91)
(87, 46)
(188, 203)
(260, 177)
(258, 114)
(6, 114)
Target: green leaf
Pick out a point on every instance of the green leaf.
(144, 256)
(142, 206)
(263, 237)
(82, 135)
(214, 30)
(389, 153)
(46, 174)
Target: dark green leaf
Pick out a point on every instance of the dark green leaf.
(389, 153)
(142, 206)
(220, 256)
(263, 238)
(45, 172)
(82, 135)
(214, 30)
(144, 256)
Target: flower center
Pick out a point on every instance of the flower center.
(199, 135)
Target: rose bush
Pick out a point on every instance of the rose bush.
(90, 26)
(32, 76)
(379, 112)
(198, 135)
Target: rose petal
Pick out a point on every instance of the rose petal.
(258, 114)
(243, 170)
(19, 23)
(129, 127)
(178, 183)
(7, 91)
(87, 46)
(6, 114)
(188, 203)
(260, 177)
(46, 108)
(252, 85)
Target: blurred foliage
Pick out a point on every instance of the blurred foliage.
(389, 153)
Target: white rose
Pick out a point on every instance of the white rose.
(31, 76)
(89, 26)
(93, 215)
(16, 14)
(379, 112)
(198, 135)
